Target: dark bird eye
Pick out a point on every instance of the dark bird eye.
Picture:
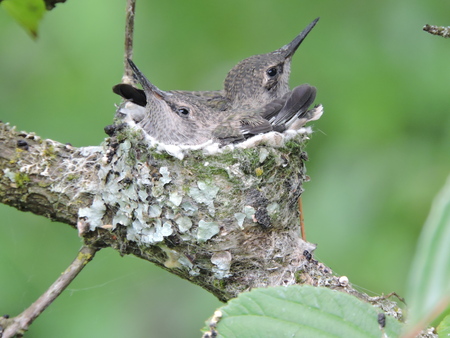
(183, 111)
(272, 71)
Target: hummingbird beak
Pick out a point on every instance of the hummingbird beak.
(289, 49)
(145, 83)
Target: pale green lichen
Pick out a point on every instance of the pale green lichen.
(163, 200)
(222, 263)
(240, 217)
(206, 230)
(9, 174)
(273, 208)
(94, 213)
(175, 198)
(165, 175)
(249, 211)
(184, 223)
(263, 153)
(205, 194)
(154, 210)
(189, 208)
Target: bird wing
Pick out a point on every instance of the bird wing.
(253, 124)
(297, 103)
(240, 125)
(270, 110)
(227, 134)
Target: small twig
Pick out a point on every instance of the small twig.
(18, 325)
(302, 220)
(392, 294)
(437, 30)
(129, 29)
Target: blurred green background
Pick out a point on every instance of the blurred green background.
(379, 155)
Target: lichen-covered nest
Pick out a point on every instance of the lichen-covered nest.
(229, 212)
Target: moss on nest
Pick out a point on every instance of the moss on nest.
(204, 204)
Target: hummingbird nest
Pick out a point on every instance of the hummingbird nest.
(230, 213)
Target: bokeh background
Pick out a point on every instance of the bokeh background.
(379, 154)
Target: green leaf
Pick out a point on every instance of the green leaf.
(429, 280)
(443, 329)
(301, 311)
(27, 13)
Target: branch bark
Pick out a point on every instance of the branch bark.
(40, 176)
(227, 222)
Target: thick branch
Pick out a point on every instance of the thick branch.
(227, 222)
(44, 176)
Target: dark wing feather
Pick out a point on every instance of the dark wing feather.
(240, 125)
(297, 103)
(253, 125)
(227, 134)
(270, 110)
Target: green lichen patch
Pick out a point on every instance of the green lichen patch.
(49, 151)
(21, 179)
(72, 177)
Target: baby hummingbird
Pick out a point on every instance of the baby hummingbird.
(260, 79)
(252, 83)
(177, 118)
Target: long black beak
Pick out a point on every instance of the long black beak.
(149, 88)
(291, 47)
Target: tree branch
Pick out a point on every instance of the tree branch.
(18, 325)
(227, 222)
(221, 221)
(44, 176)
(437, 30)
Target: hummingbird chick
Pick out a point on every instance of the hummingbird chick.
(259, 79)
(180, 119)
(252, 83)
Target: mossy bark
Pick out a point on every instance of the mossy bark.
(227, 222)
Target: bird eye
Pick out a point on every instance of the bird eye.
(183, 111)
(272, 71)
